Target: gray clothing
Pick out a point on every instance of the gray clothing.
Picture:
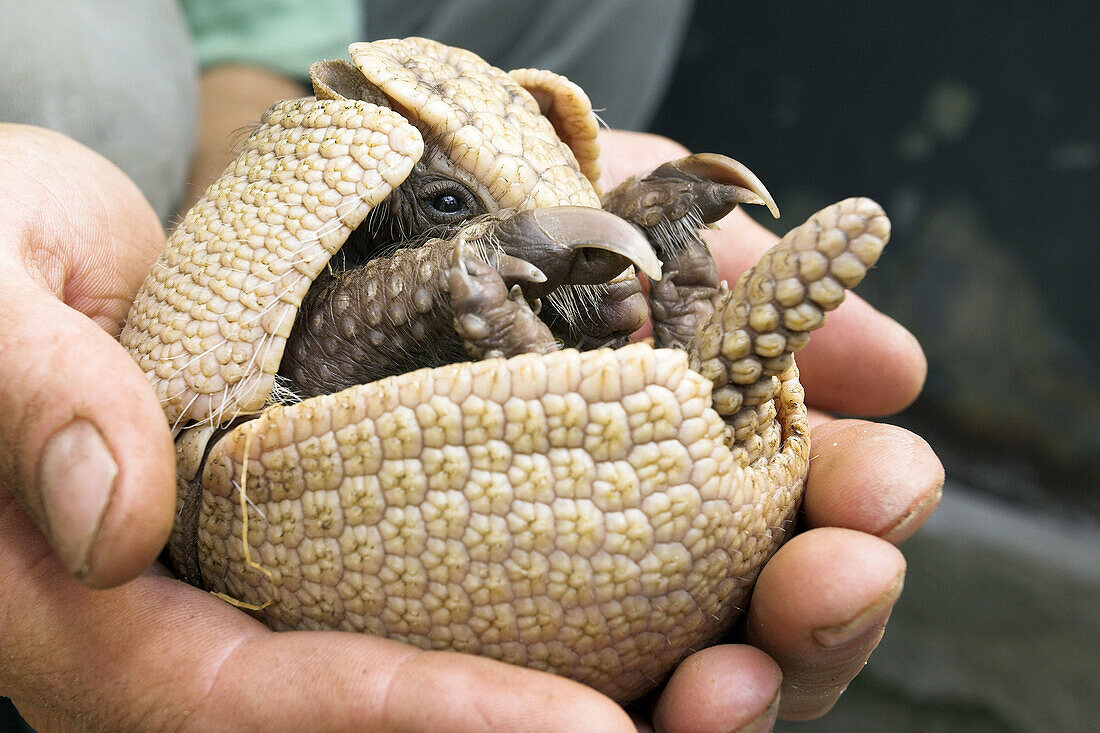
(116, 75)
(120, 75)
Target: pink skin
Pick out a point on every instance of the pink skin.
(152, 652)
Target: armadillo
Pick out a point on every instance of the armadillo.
(392, 341)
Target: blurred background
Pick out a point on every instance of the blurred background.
(975, 124)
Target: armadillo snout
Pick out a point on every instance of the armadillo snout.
(575, 245)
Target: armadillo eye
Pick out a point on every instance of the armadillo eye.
(448, 202)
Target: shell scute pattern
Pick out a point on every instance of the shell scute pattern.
(211, 323)
(489, 537)
(490, 124)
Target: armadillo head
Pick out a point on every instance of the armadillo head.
(210, 324)
(480, 124)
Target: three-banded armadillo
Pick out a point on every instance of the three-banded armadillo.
(391, 341)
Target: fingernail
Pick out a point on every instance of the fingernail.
(903, 528)
(765, 721)
(76, 477)
(870, 619)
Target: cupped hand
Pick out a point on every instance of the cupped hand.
(158, 654)
(87, 462)
(76, 240)
(821, 604)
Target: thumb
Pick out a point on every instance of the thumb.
(83, 442)
(84, 445)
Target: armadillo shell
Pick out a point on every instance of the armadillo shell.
(578, 513)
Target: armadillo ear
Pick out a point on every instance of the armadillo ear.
(570, 112)
(338, 79)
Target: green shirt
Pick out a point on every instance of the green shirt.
(284, 36)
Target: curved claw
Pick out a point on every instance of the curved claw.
(491, 318)
(725, 183)
(575, 245)
(514, 270)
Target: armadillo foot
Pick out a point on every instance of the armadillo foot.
(596, 316)
(671, 205)
(588, 291)
(677, 198)
(492, 319)
(420, 306)
(685, 297)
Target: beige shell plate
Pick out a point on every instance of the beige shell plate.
(488, 123)
(210, 322)
(579, 513)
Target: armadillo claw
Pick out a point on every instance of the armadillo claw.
(719, 184)
(575, 245)
(491, 318)
(681, 196)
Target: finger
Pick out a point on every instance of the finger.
(818, 417)
(819, 609)
(860, 362)
(732, 687)
(624, 153)
(73, 223)
(156, 653)
(875, 478)
(83, 442)
(394, 687)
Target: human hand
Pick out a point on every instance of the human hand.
(167, 653)
(821, 603)
(83, 442)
